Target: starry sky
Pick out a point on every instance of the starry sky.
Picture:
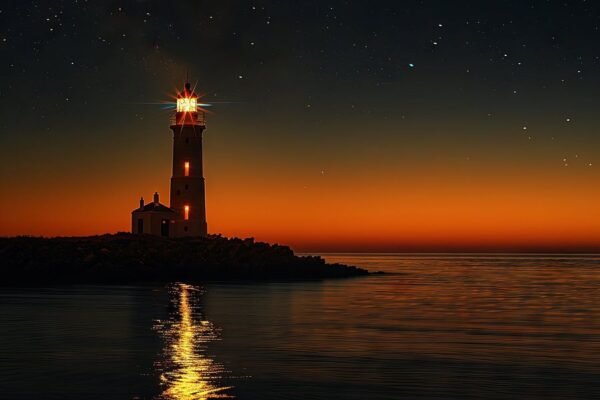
(335, 125)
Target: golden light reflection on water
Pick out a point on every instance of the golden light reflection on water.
(186, 371)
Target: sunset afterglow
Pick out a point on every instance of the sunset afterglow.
(422, 150)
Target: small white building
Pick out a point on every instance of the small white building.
(153, 218)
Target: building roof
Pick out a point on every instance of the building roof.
(155, 207)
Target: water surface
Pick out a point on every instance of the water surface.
(434, 327)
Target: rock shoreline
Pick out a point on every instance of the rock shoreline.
(124, 258)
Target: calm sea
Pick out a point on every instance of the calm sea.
(434, 327)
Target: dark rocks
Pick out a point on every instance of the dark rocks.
(127, 258)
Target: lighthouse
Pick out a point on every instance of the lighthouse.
(186, 215)
(187, 181)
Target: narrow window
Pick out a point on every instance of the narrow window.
(186, 212)
(178, 192)
(185, 228)
(186, 168)
(140, 226)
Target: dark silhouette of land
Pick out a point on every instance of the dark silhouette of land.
(127, 258)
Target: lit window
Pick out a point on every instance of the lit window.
(186, 168)
(187, 104)
(186, 212)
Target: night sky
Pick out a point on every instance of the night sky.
(335, 125)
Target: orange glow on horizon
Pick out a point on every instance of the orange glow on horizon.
(368, 199)
(478, 213)
(384, 213)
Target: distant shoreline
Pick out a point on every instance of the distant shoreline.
(452, 254)
(125, 258)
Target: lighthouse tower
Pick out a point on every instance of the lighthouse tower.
(186, 215)
(187, 181)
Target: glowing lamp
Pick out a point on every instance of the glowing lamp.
(187, 104)
(186, 212)
(186, 168)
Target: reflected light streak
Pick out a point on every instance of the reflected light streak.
(186, 372)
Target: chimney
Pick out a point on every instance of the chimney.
(141, 202)
(156, 198)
